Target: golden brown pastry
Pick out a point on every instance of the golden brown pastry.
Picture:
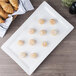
(14, 3)
(7, 7)
(4, 0)
(3, 14)
(1, 20)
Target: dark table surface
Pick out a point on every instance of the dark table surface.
(61, 62)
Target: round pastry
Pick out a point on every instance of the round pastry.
(32, 31)
(54, 32)
(32, 42)
(43, 32)
(52, 21)
(23, 55)
(33, 55)
(20, 42)
(44, 44)
(41, 21)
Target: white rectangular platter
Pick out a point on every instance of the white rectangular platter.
(44, 11)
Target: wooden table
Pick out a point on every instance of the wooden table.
(61, 62)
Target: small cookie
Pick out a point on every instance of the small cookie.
(32, 31)
(44, 44)
(43, 32)
(54, 32)
(20, 42)
(52, 21)
(41, 21)
(33, 55)
(22, 55)
(32, 42)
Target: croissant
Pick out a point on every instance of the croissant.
(1, 20)
(4, 0)
(14, 3)
(3, 14)
(7, 7)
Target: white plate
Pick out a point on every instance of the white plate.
(44, 11)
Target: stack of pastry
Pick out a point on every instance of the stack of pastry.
(7, 7)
